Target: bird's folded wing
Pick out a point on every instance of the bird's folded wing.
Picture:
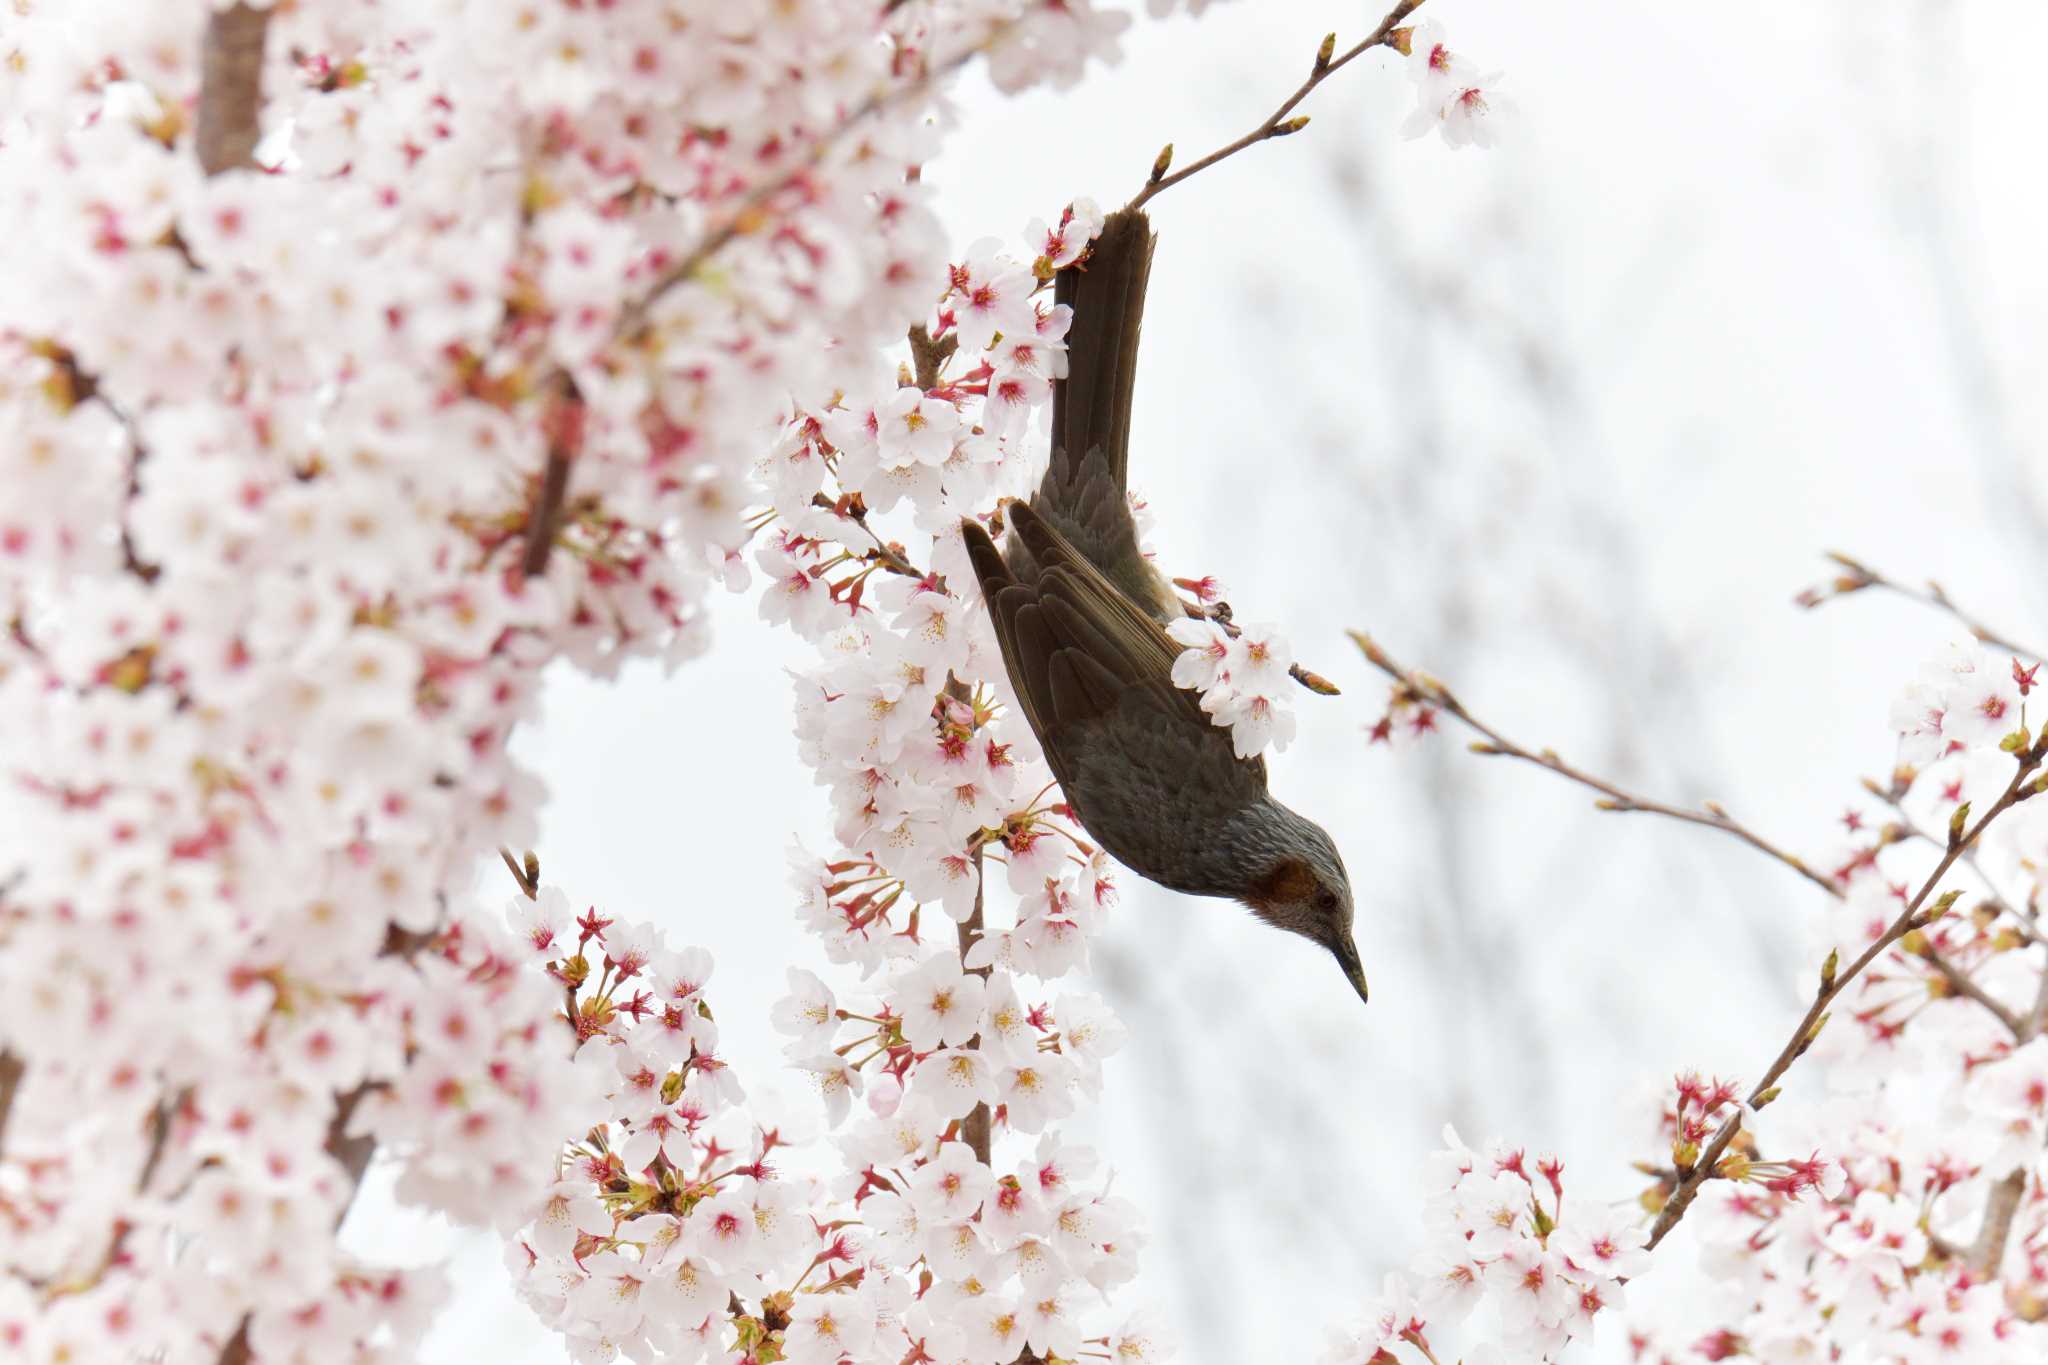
(1077, 649)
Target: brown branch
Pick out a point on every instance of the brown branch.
(1999, 1211)
(1832, 985)
(929, 357)
(850, 507)
(230, 121)
(1857, 576)
(1278, 124)
(12, 1069)
(1422, 688)
(974, 1129)
(563, 421)
(1959, 982)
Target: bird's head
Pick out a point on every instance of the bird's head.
(1303, 889)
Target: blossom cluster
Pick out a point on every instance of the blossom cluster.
(1502, 1240)
(1898, 1214)
(1452, 96)
(685, 1226)
(1243, 678)
(1928, 1246)
(314, 467)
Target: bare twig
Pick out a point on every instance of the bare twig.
(1857, 576)
(1960, 982)
(1832, 985)
(230, 121)
(850, 507)
(1427, 690)
(1278, 124)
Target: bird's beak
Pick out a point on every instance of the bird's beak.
(1354, 970)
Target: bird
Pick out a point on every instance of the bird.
(1080, 615)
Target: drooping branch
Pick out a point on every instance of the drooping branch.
(1281, 121)
(230, 119)
(1423, 689)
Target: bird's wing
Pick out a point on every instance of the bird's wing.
(1078, 650)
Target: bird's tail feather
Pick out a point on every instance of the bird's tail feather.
(1091, 407)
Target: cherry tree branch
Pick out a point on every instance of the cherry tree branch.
(1857, 576)
(1963, 985)
(975, 1128)
(1422, 688)
(12, 1069)
(1832, 984)
(230, 119)
(1278, 123)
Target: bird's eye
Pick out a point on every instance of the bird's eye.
(1326, 899)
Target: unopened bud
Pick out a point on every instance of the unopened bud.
(1293, 125)
(1827, 971)
(1160, 163)
(1399, 40)
(1314, 682)
(1324, 53)
(1814, 1032)
(1945, 903)
(1764, 1097)
(1956, 823)
(1480, 746)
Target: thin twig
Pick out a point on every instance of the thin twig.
(1430, 691)
(1277, 124)
(2017, 790)
(230, 119)
(1857, 576)
(851, 507)
(1960, 983)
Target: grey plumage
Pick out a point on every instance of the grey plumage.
(1080, 615)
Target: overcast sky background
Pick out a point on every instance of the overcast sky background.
(1567, 423)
